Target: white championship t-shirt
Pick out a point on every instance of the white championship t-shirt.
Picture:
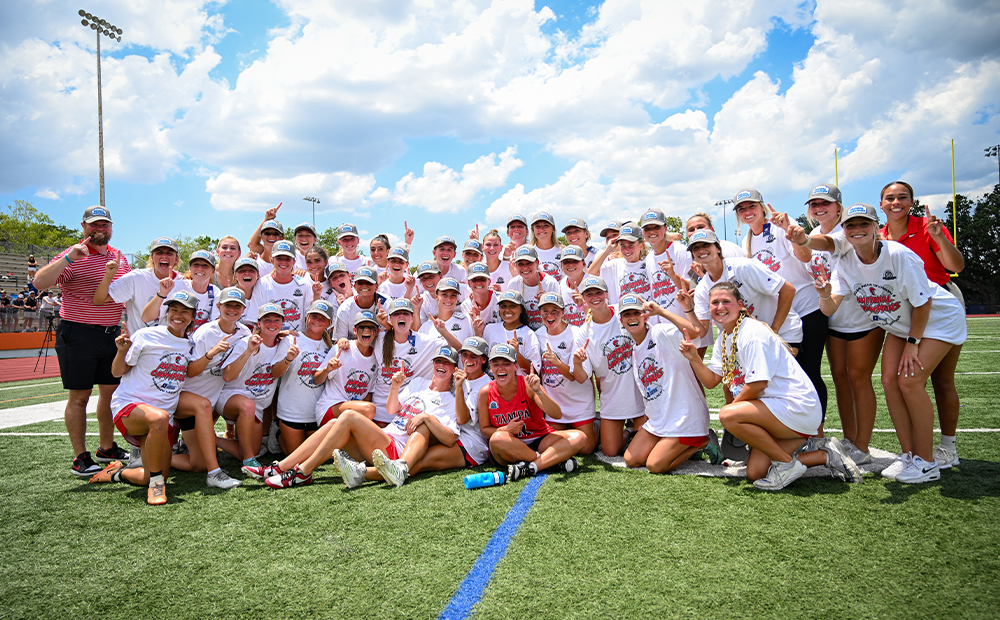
(417, 398)
(575, 399)
(298, 394)
(413, 357)
(761, 356)
(354, 380)
(158, 363)
(293, 298)
(610, 353)
(527, 341)
(209, 383)
(675, 403)
(773, 249)
(135, 289)
(530, 295)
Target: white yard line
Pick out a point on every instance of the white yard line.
(21, 387)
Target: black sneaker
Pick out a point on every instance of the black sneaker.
(84, 466)
(113, 454)
(520, 470)
(570, 465)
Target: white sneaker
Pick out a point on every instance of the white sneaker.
(780, 475)
(919, 471)
(859, 456)
(946, 457)
(841, 465)
(221, 480)
(897, 466)
(351, 471)
(395, 472)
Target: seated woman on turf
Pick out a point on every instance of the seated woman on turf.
(775, 408)
(298, 393)
(153, 367)
(250, 379)
(348, 373)
(519, 436)
(214, 343)
(423, 415)
(676, 411)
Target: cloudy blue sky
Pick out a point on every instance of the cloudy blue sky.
(449, 113)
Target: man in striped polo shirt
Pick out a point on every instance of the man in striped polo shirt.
(85, 337)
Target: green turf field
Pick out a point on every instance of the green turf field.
(601, 543)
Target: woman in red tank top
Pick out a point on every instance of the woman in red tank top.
(516, 428)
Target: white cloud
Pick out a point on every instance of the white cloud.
(48, 194)
(338, 190)
(442, 189)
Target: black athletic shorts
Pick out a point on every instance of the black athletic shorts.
(309, 427)
(85, 354)
(850, 337)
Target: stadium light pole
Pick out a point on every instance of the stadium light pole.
(315, 202)
(994, 151)
(723, 203)
(100, 26)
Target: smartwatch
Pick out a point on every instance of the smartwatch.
(912, 340)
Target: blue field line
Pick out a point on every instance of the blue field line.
(472, 587)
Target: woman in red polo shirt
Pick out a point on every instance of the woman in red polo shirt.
(931, 241)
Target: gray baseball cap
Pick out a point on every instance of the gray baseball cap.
(332, 267)
(366, 316)
(205, 255)
(593, 282)
(827, 191)
(366, 274)
(400, 305)
(552, 298)
(322, 307)
(282, 248)
(233, 294)
(427, 267)
(478, 270)
(182, 297)
(575, 223)
(526, 252)
(859, 209)
(246, 261)
(95, 214)
(164, 242)
(613, 226)
(630, 302)
(270, 308)
(399, 252)
(447, 353)
(447, 284)
(503, 351)
(747, 195)
(475, 344)
(272, 225)
(653, 216)
(306, 226)
(703, 235)
(571, 252)
(630, 232)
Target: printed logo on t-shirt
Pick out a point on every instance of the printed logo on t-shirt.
(201, 317)
(618, 352)
(259, 383)
(649, 376)
(888, 275)
(634, 283)
(819, 266)
(534, 314)
(217, 371)
(290, 308)
(551, 376)
(358, 384)
(664, 289)
(170, 373)
(398, 363)
(310, 364)
(879, 302)
(411, 407)
(574, 315)
(551, 269)
(768, 259)
(739, 381)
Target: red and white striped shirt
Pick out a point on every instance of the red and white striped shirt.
(79, 281)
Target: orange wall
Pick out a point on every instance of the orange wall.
(31, 340)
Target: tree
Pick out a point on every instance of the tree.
(24, 223)
(328, 240)
(803, 221)
(978, 230)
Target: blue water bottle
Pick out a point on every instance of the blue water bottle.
(485, 479)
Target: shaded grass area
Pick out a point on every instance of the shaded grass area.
(76, 550)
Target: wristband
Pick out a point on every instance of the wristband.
(161, 296)
(803, 244)
(825, 298)
(66, 256)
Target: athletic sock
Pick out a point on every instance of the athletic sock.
(155, 477)
(117, 476)
(533, 468)
(215, 471)
(948, 440)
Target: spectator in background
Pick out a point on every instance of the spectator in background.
(30, 310)
(32, 267)
(5, 311)
(17, 306)
(85, 338)
(44, 309)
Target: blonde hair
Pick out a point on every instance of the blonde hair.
(239, 248)
(768, 213)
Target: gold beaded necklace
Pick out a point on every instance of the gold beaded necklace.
(729, 359)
